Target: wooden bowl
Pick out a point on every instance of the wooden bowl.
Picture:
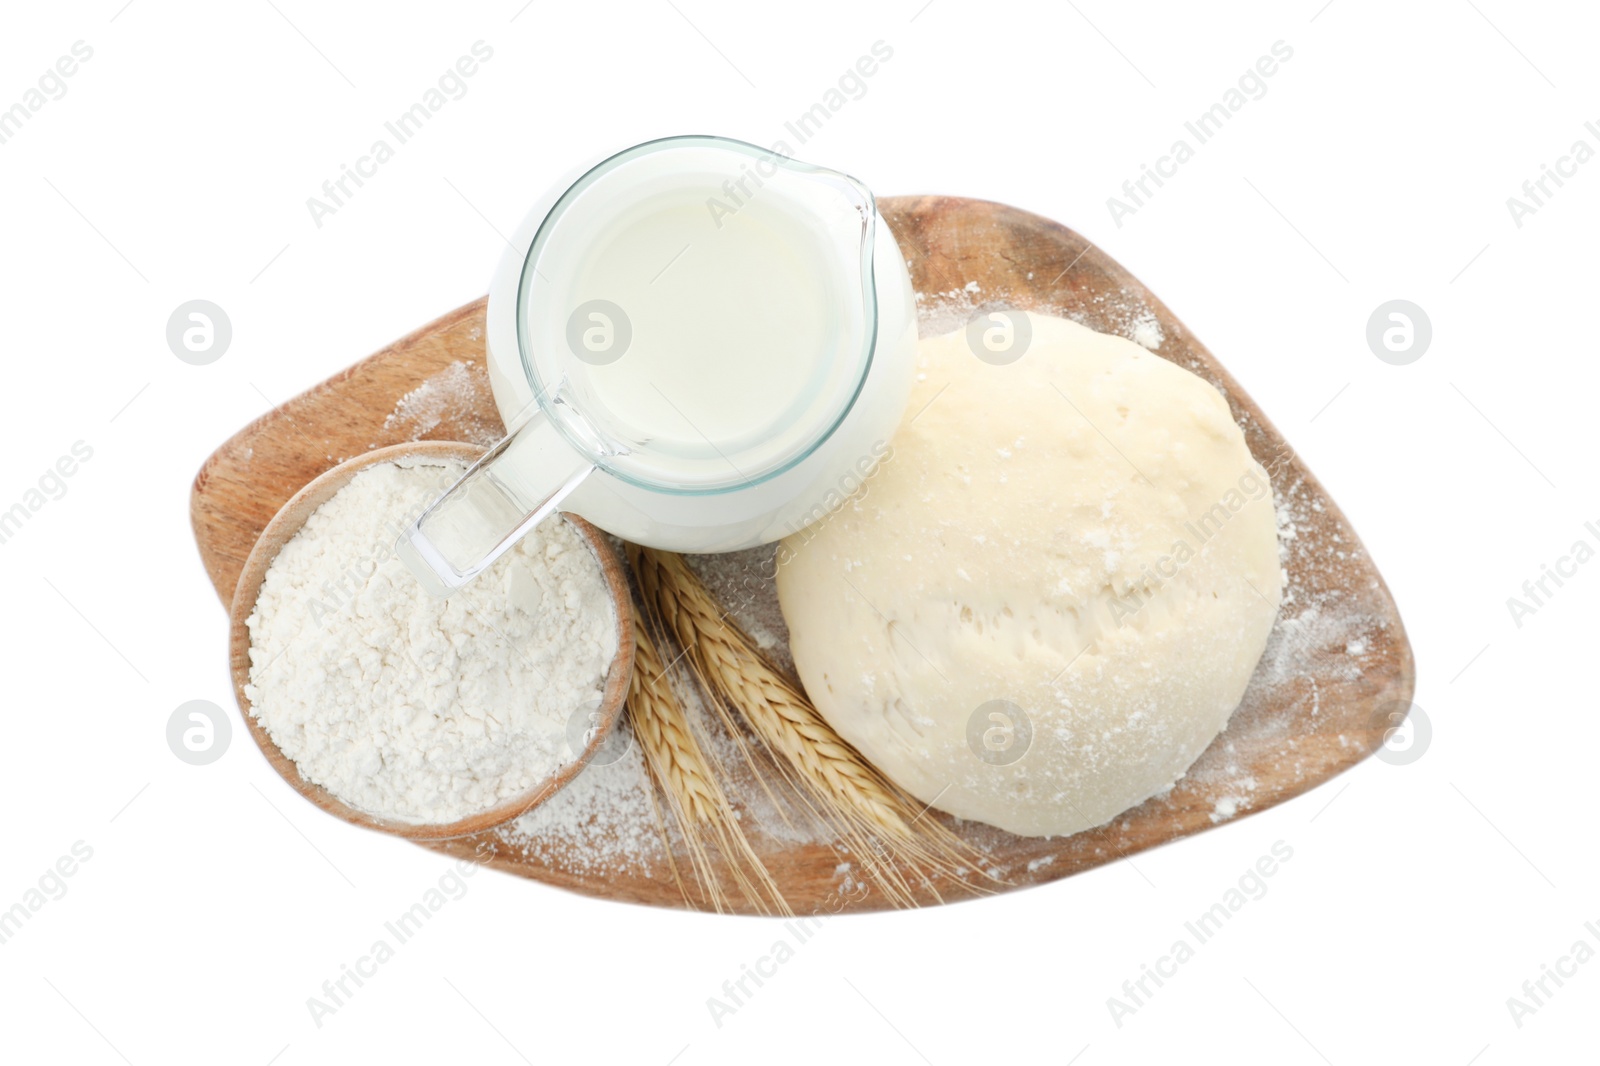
(289, 520)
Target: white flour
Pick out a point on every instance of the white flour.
(413, 708)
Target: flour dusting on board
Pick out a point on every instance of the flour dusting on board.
(742, 582)
(945, 312)
(606, 821)
(1147, 332)
(1123, 314)
(603, 821)
(1324, 631)
(756, 807)
(458, 395)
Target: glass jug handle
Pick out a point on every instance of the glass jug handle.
(515, 486)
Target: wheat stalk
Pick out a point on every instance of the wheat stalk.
(683, 774)
(880, 823)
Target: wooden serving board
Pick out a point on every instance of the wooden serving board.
(1337, 669)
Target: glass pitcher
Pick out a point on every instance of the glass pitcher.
(698, 345)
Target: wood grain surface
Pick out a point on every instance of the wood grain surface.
(1337, 675)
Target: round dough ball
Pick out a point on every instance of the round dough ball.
(1049, 597)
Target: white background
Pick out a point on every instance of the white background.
(177, 166)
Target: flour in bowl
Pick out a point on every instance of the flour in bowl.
(413, 708)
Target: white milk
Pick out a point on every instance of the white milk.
(746, 339)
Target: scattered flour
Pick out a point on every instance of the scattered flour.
(606, 822)
(1225, 808)
(1147, 332)
(1124, 314)
(742, 583)
(459, 396)
(603, 821)
(943, 312)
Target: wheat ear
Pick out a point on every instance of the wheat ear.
(683, 774)
(881, 824)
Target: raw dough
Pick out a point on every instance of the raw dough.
(1009, 619)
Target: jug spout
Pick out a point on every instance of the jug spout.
(516, 485)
